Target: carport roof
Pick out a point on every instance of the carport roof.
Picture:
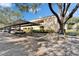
(21, 22)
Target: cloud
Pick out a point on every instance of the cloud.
(5, 4)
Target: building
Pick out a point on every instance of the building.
(41, 24)
(49, 23)
(19, 26)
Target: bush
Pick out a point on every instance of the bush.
(43, 31)
(35, 31)
(71, 32)
(70, 26)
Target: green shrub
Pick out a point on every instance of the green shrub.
(70, 26)
(37, 31)
(71, 32)
(43, 31)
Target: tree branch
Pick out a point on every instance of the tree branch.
(60, 8)
(72, 12)
(50, 7)
(66, 9)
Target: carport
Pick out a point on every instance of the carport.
(18, 24)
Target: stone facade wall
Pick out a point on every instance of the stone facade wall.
(49, 23)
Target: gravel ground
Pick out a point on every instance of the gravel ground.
(10, 48)
(39, 44)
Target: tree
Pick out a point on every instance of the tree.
(61, 17)
(73, 20)
(7, 15)
(28, 7)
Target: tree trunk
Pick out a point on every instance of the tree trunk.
(9, 30)
(62, 30)
(19, 27)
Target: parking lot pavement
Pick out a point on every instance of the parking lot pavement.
(10, 49)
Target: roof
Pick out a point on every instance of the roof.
(41, 20)
(21, 22)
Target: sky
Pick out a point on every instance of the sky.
(43, 11)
